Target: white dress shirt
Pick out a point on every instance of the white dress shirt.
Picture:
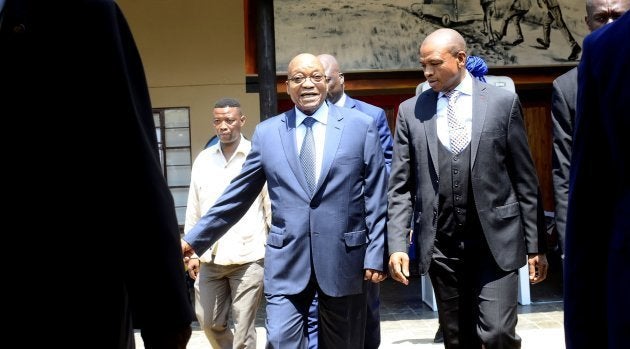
(210, 175)
(463, 111)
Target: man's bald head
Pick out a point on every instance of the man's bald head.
(334, 75)
(306, 82)
(447, 38)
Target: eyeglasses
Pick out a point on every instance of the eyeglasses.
(229, 122)
(315, 78)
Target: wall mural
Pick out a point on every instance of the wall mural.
(370, 35)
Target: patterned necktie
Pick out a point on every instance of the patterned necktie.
(307, 154)
(456, 130)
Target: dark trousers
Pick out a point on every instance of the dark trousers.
(372, 322)
(340, 325)
(477, 301)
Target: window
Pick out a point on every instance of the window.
(172, 127)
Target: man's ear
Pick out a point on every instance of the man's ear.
(461, 58)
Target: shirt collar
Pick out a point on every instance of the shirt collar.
(342, 100)
(465, 87)
(320, 115)
(241, 148)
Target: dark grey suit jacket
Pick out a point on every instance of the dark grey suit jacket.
(504, 181)
(563, 99)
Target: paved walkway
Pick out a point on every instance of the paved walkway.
(406, 322)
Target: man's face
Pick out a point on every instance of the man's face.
(335, 83)
(227, 123)
(306, 83)
(605, 11)
(442, 69)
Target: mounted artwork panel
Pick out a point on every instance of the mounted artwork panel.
(369, 35)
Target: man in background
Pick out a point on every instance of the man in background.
(338, 97)
(597, 256)
(563, 100)
(229, 276)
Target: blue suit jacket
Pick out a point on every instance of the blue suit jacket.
(341, 228)
(597, 260)
(384, 133)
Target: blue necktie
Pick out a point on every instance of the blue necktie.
(307, 153)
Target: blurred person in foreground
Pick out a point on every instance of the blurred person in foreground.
(462, 172)
(104, 226)
(597, 246)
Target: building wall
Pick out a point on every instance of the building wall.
(193, 53)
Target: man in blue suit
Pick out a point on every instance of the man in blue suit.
(597, 260)
(327, 237)
(337, 96)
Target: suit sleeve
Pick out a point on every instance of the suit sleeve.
(525, 181)
(385, 136)
(401, 185)
(375, 193)
(561, 156)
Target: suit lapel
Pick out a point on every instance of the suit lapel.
(287, 137)
(426, 112)
(479, 108)
(334, 130)
(350, 103)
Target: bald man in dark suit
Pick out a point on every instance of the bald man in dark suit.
(462, 173)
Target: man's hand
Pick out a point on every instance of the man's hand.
(399, 267)
(187, 250)
(375, 276)
(538, 267)
(193, 267)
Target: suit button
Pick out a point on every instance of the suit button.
(455, 158)
(455, 171)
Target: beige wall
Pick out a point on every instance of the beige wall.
(193, 53)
